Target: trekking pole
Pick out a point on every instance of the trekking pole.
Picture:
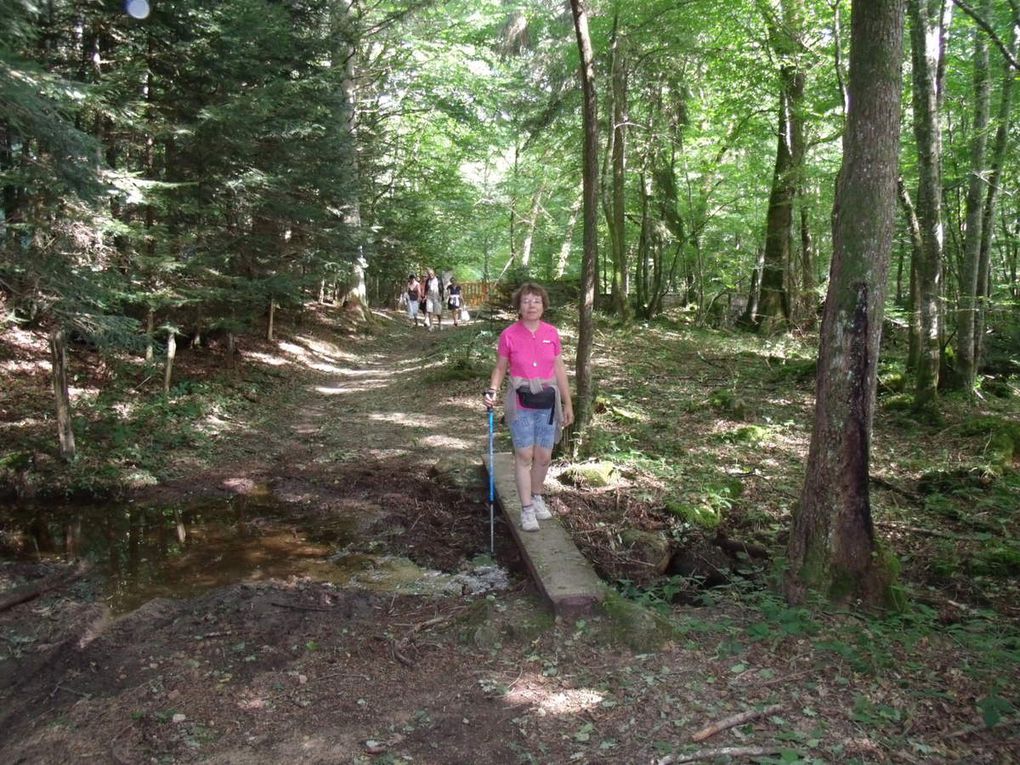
(492, 487)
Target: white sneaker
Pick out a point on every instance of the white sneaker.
(541, 511)
(528, 520)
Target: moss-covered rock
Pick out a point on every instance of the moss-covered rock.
(624, 622)
(748, 434)
(1002, 441)
(648, 547)
(591, 474)
(726, 402)
(1000, 560)
(702, 515)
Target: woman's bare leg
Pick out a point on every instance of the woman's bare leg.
(539, 467)
(523, 469)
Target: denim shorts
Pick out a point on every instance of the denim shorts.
(531, 427)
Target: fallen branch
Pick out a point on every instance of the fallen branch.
(33, 590)
(894, 488)
(733, 720)
(298, 607)
(723, 751)
(927, 532)
(982, 728)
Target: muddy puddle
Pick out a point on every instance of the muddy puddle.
(143, 553)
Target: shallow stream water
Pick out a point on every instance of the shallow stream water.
(145, 552)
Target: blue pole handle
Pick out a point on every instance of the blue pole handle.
(492, 464)
(492, 484)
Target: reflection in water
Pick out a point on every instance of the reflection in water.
(149, 552)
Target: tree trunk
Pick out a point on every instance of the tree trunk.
(586, 324)
(171, 351)
(747, 319)
(620, 267)
(966, 316)
(926, 34)
(808, 282)
(998, 159)
(58, 358)
(356, 293)
(832, 546)
(568, 240)
(773, 310)
(150, 325)
(642, 280)
(529, 235)
(272, 318)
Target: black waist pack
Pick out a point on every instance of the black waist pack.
(544, 400)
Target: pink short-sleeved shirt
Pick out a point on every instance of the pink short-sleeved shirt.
(531, 354)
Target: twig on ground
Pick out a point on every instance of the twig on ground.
(723, 751)
(399, 656)
(298, 607)
(59, 687)
(34, 589)
(113, 745)
(912, 496)
(751, 714)
(786, 678)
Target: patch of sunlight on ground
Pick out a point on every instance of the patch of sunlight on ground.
(361, 387)
(25, 367)
(26, 422)
(409, 418)
(365, 372)
(325, 349)
(534, 690)
(265, 358)
(446, 442)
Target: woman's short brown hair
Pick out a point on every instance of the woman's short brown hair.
(530, 288)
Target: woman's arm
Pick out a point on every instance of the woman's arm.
(564, 385)
(496, 379)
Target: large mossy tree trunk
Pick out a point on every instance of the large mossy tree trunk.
(347, 36)
(832, 548)
(586, 319)
(58, 359)
(966, 310)
(926, 36)
(774, 305)
(773, 308)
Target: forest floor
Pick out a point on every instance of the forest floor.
(379, 433)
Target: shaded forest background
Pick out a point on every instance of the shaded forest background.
(188, 171)
(184, 172)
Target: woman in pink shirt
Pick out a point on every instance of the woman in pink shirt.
(537, 402)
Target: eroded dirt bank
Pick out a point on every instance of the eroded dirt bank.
(302, 669)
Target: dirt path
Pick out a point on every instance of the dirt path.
(300, 670)
(303, 670)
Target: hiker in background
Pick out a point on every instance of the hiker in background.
(537, 403)
(422, 303)
(453, 300)
(412, 294)
(433, 299)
